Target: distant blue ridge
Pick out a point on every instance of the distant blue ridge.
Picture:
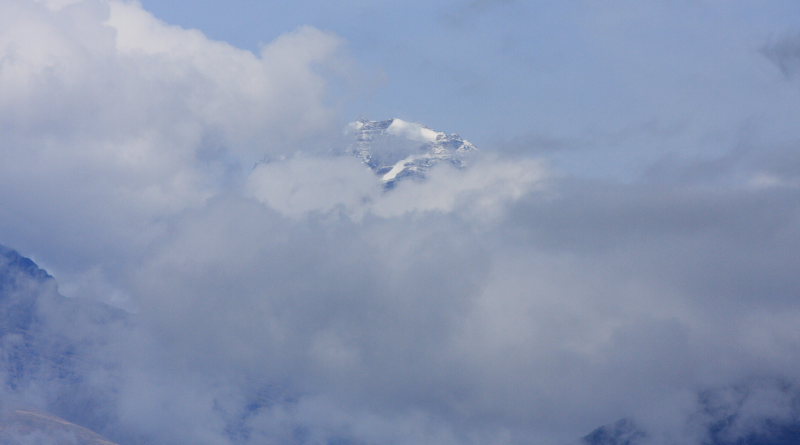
(10, 261)
(625, 432)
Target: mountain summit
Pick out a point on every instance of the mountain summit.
(397, 149)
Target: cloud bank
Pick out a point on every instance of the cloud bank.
(279, 295)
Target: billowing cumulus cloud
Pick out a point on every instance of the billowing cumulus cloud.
(114, 120)
(277, 293)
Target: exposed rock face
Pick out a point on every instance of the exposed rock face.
(397, 149)
(26, 295)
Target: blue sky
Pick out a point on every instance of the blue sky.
(635, 81)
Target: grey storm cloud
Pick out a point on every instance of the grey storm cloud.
(275, 293)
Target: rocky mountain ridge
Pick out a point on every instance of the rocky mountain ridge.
(396, 149)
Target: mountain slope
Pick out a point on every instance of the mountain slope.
(49, 344)
(395, 149)
(20, 427)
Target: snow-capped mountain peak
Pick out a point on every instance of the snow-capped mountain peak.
(397, 149)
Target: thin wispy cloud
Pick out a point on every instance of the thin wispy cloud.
(785, 54)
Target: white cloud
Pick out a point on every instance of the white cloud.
(114, 120)
(296, 300)
(302, 184)
(482, 192)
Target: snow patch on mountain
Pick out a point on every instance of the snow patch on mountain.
(395, 149)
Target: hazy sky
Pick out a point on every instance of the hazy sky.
(624, 245)
(627, 82)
